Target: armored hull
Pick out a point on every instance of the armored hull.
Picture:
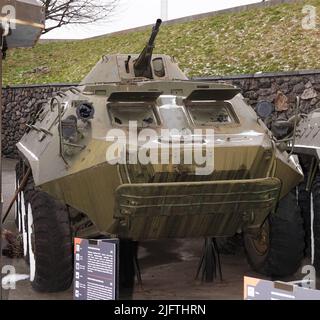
(149, 201)
(307, 135)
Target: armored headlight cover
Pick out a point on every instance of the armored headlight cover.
(85, 111)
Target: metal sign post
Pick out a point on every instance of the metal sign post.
(21, 24)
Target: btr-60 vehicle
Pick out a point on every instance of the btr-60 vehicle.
(83, 169)
(306, 144)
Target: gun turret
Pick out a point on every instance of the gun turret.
(142, 66)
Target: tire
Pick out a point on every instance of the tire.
(278, 249)
(50, 252)
(316, 221)
(304, 200)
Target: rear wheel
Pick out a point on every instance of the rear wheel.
(277, 249)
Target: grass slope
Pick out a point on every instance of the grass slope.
(267, 39)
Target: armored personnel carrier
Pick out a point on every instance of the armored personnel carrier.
(89, 168)
(307, 146)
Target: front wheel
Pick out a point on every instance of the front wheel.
(277, 249)
(47, 240)
(49, 244)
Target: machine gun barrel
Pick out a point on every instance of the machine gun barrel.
(142, 66)
(155, 31)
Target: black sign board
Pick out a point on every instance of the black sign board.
(96, 269)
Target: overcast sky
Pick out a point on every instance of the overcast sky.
(134, 13)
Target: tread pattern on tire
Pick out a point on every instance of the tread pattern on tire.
(304, 200)
(53, 241)
(286, 249)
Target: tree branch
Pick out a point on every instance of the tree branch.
(64, 12)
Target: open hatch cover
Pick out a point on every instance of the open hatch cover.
(213, 94)
(137, 96)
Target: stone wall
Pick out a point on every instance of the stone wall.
(22, 103)
(281, 89)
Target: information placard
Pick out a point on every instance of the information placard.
(257, 289)
(96, 269)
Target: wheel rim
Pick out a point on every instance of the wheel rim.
(32, 261)
(261, 240)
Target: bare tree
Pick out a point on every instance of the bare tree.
(66, 12)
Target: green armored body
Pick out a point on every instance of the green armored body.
(140, 152)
